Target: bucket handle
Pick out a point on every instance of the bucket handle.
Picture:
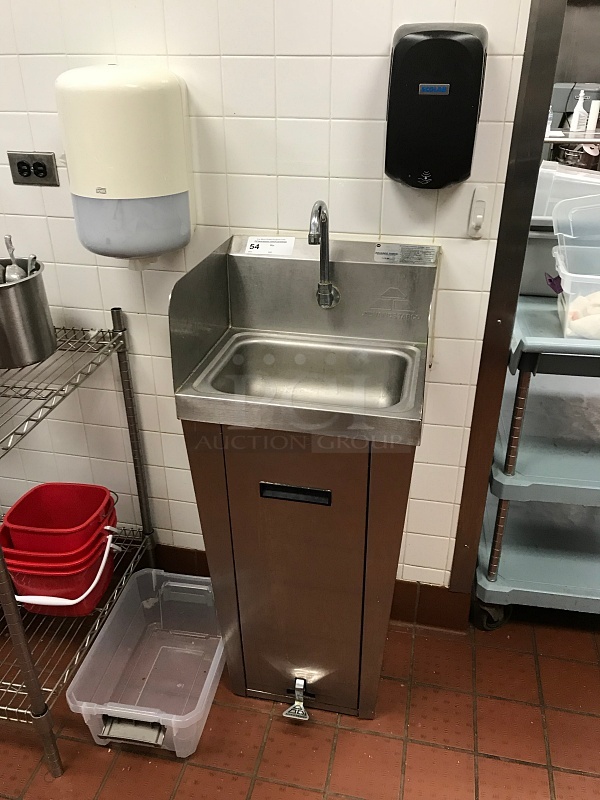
(62, 601)
(115, 499)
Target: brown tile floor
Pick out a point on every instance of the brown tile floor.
(509, 715)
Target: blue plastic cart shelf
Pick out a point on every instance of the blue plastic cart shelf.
(546, 551)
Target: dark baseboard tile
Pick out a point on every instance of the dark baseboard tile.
(181, 561)
(414, 603)
(433, 606)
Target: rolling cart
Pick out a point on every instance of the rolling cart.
(39, 654)
(545, 549)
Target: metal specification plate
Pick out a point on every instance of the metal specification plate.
(424, 255)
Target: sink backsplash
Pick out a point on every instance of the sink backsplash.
(230, 288)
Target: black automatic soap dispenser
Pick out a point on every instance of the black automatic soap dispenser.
(436, 81)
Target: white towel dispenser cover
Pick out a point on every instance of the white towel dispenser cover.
(124, 132)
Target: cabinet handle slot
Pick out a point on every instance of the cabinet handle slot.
(297, 494)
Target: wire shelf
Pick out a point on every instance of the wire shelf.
(29, 394)
(59, 644)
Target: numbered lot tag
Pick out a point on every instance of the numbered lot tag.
(271, 245)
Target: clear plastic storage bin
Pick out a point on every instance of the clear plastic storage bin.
(576, 224)
(152, 673)
(578, 265)
(557, 183)
(579, 216)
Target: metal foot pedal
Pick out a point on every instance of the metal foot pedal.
(296, 710)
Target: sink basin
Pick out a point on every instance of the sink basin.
(294, 369)
(242, 356)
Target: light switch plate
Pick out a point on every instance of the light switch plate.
(33, 169)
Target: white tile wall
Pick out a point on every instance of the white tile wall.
(361, 27)
(356, 149)
(90, 26)
(302, 147)
(359, 87)
(8, 42)
(249, 86)
(303, 87)
(191, 28)
(284, 110)
(295, 30)
(407, 211)
(13, 128)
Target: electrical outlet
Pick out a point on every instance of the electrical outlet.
(33, 169)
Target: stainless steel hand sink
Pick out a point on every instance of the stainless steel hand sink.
(251, 347)
(294, 369)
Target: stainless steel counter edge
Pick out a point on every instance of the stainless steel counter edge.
(384, 425)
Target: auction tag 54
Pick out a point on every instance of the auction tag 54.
(270, 245)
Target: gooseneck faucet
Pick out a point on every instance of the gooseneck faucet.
(318, 233)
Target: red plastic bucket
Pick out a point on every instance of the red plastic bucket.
(37, 560)
(58, 517)
(66, 582)
(45, 567)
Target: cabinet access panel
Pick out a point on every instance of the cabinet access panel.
(298, 520)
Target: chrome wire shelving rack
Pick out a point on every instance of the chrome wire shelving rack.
(39, 654)
(28, 395)
(59, 644)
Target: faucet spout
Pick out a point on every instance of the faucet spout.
(318, 233)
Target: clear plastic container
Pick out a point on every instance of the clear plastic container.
(578, 264)
(152, 673)
(579, 216)
(556, 183)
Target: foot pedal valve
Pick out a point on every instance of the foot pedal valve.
(297, 710)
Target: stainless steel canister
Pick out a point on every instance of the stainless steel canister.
(27, 334)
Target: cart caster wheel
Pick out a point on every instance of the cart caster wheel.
(487, 617)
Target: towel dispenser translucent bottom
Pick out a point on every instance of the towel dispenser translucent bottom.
(133, 228)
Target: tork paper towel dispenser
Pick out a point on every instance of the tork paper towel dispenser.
(126, 145)
(434, 96)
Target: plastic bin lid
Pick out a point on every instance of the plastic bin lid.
(578, 216)
(557, 182)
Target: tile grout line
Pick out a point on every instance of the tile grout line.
(212, 768)
(331, 796)
(225, 704)
(570, 771)
(116, 752)
(286, 784)
(334, 742)
(505, 760)
(569, 660)
(407, 719)
(40, 765)
(530, 652)
(424, 743)
(486, 696)
(475, 728)
(261, 751)
(178, 780)
(34, 772)
(538, 675)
